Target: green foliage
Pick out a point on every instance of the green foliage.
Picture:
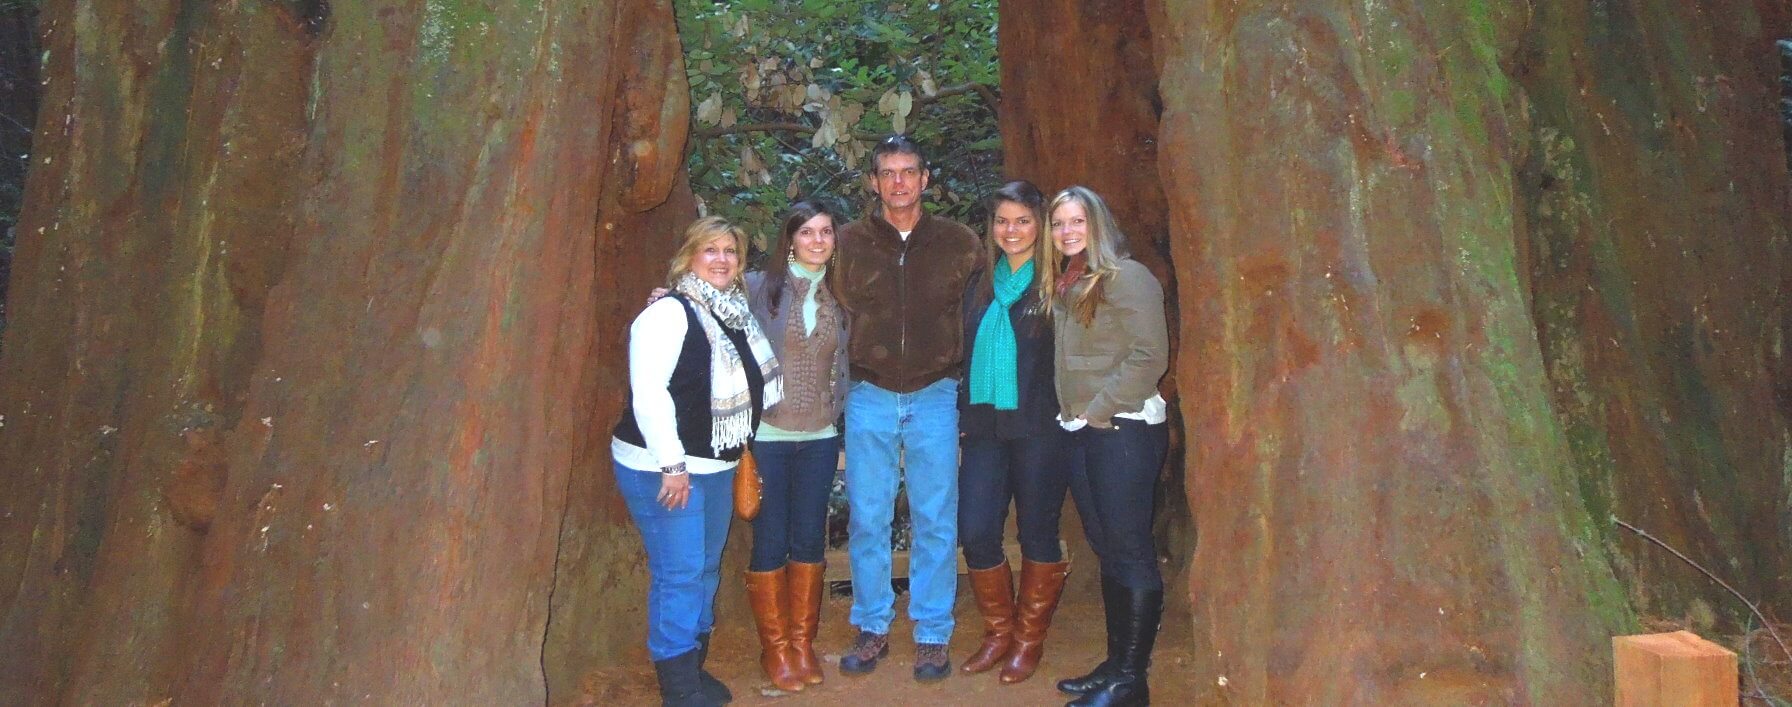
(789, 96)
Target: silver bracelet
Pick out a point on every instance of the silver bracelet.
(673, 470)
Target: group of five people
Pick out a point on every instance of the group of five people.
(973, 375)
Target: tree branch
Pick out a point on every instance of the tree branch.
(986, 91)
(743, 128)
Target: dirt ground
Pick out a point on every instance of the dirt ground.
(1077, 642)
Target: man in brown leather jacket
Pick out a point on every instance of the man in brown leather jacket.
(902, 275)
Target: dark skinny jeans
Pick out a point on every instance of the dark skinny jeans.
(793, 508)
(1031, 471)
(1114, 484)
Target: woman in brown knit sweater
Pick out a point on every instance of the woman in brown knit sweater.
(797, 445)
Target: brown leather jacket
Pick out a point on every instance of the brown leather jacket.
(905, 299)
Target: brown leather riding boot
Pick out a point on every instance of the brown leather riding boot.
(768, 594)
(805, 617)
(995, 597)
(1041, 583)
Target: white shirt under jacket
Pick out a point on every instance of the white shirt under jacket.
(655, 340)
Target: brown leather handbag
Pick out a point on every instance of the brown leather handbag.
(747, 486)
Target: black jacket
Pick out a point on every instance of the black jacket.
(1037, 412)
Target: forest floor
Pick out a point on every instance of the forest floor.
(1076, 643)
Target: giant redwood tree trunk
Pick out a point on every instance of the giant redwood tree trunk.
(1398, 228)
(1655, 197)
(318, 308)
(302, 352)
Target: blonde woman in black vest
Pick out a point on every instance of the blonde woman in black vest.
(1112, 348)
(798, 445)
(700, 373)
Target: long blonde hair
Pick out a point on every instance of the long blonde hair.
(1103, 249)
(700, 233)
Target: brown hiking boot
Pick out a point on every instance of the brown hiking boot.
(1041, 583)
(994, 588)
(862, 657)
(767, 593)
(805, 579)
(931, 662)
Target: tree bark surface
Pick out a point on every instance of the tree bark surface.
(1385, 503)
(305, 338)
(1655, 195)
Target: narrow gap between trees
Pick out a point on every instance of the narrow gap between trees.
(787, 102)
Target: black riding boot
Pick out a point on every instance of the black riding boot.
(1113, 609)
(680, 684)
(712, 687)
(1144, 609)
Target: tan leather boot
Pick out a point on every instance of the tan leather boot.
(995, 598)
(805, 617)
(768, 593)
(1041, 583)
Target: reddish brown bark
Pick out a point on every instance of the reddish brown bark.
(1403, 462)
(1656, 195)
(146, 250)
(1079, 106)
(1384, 504)
(301, 359)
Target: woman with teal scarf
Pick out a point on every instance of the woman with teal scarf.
(1011, 442)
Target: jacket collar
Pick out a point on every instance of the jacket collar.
(888, 233)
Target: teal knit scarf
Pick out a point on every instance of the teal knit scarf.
(992, 356)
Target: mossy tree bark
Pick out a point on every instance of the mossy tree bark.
(1459, 283)
(1655, 195)
(304, 327)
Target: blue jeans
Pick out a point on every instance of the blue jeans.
(923, 427)
(684, 555)
(1114, 484)
(798, 477)
(1029, 470)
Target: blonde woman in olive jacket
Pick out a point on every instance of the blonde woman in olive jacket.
(1112, 348)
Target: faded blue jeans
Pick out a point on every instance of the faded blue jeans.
(684, 555)
(917, 430)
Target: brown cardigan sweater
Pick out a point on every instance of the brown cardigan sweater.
(905, 299)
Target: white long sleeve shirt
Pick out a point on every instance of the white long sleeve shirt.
(655, 340)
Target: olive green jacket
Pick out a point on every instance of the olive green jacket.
(1113, 364)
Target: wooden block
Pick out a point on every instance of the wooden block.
(1676, 669)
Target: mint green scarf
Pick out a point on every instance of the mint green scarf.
(992, 357)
